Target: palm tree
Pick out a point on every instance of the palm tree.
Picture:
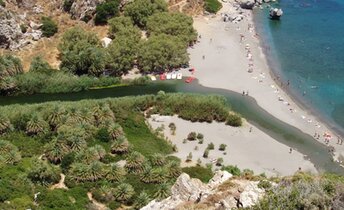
(5, 147)
(79, 172)
(36, 126)
(115, 131)
(141, 200)
(5, 125)
(86, 115)
(164, 190)
(146, 175)
(120, 146)
(123, 192)
(99, 151)
(86, 156)
(12, 157)
(159, 175)
(76, 143)
(74, 116)
(135, 161)
(56, 117)
(157, 159)
(55, 151)
(95, 171)
(173, 169)
(103, 114)
(114, 172)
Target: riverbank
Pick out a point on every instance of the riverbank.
(230, 56)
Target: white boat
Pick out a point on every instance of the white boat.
(174, 75)
(179, 75)
(168, 76)
(153, 78)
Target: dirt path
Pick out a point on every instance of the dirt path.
(61, 184)
(99, 206)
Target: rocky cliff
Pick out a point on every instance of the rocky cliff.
(222, 192)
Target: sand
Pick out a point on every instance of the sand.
(254, 150)
(226, 66)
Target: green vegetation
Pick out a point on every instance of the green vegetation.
(49, 27)
(174, 24)
(222, 147)
(234, 120)
(192, 136)
(2, 3)
(211, 146)
(67, 5)
(106, 10)
(234, 170)
(201, 173)
(140, 10)
(84, 140)
(212, 6)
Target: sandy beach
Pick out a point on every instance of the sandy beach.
(253, 149)
(229, 56)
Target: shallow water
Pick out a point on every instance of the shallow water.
(246, 106)
(306, 47)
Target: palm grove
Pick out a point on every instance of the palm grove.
(102, 146)
(144, 35)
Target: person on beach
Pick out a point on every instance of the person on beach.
(250, 129)
(203, 57)
(290, 150)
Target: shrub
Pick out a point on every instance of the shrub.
(67, 5)
(49, 27)
(222, 147)
(103, 135)
(106, 10)
(211, 146)
(200, 141)
(234, 120)
(200, 136)
(212, 6)
(206, 153)
(204, 174)
(23, 28)
(234, 170)
(219, 161)
(264, 184)
(192, 136)
(2, 3)
(189, 157)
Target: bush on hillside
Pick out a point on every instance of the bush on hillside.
(67, 5)
(212, 6)
(2, 3)
(234, 170)
(106, 10)
(234, 120)
(49, 27)
(198, 172)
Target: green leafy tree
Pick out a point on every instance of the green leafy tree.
(123, 26)
(174, 24)
(49, 27)
(43, 173)
(140, 10)
(81, 52)
(151, 58)
(123, 192)
(106, 10)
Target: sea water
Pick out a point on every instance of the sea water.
(306, 47)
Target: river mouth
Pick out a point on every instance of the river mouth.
(284, 133)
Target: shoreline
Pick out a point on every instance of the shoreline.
(299, 116)
(296, 98)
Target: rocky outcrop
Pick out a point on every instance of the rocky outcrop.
(247, 4)
(219, 193)
(84, 9)
(275, 13)
(10, 32)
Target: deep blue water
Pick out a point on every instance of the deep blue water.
(307, 47)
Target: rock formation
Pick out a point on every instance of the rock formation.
(275, 13)
(220, 192)
(84, 9)
(247, 4)
(10, 32)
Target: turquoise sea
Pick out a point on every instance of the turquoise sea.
(307, 47)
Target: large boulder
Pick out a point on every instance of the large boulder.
(10, 32)
(275, 13)
(251, 194)
(84, 9)
(247, 4)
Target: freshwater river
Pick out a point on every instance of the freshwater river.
(246, 106)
